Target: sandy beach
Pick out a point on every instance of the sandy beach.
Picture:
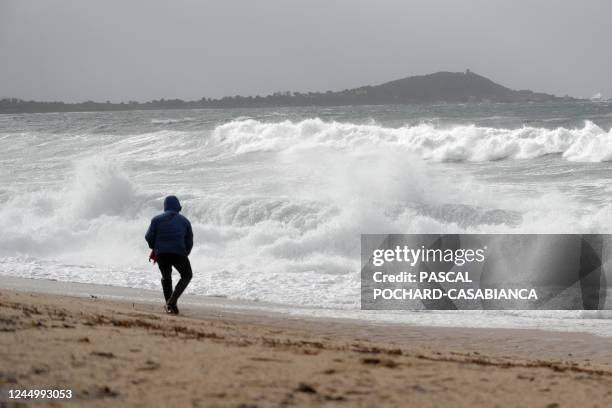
(118, 353)
(253, 204)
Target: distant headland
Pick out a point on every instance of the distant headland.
(440, 87)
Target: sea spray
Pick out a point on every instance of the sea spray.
(445, 144)
(278, 202)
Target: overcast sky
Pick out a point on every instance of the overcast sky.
(139, 50)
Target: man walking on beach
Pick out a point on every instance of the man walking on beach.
(170, 237)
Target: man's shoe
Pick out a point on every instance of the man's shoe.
(167, 309)
(173, 309)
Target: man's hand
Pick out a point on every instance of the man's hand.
(153, 257)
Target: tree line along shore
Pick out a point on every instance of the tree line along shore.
(440, 87)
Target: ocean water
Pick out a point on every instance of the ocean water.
(278, 198)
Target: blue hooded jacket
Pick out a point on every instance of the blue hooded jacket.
(170, 232)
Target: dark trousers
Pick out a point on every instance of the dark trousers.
(182, 265)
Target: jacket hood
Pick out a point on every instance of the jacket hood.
(171, 203)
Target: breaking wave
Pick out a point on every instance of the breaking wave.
(444, 144)
(277, 208)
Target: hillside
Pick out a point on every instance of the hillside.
(448, 87)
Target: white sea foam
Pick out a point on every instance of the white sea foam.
(277, 208)
(170, 121)
(446, 144)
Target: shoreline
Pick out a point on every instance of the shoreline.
(132, 354)
(596, 322)
(578, 346)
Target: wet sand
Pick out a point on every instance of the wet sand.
(119, 353)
